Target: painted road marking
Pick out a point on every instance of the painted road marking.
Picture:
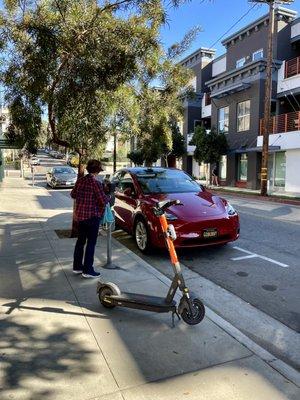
(244, 257)
(252, 255)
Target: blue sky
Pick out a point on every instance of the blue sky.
(215, 17)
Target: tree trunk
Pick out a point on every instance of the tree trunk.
(171, 161)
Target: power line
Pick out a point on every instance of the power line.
(232, 26)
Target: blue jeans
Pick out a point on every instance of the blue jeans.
(87, 237)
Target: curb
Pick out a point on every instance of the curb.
(274, 199)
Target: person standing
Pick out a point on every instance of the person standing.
(90, 202)
(215, 176)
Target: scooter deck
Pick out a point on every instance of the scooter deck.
(143, 302)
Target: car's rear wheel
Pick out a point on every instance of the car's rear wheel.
(142, 237)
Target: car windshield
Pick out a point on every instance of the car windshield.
(63, 170)
(166, 181)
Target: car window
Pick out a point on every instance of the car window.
(166, 181)
(117, 177)
(125, 183)
(63, 171)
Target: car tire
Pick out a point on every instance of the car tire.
(142, 236)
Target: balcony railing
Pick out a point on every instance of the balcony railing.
(282, 123)
(207, 101)
(292, 67)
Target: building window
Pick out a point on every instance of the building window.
(223, 167)
(242, 167)
(223, 120)
(243, 116)
(257, 55)
(240, 63)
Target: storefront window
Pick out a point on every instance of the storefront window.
(223, 167)
(279, 176)
(242, 167)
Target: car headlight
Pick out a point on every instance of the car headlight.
(170, 217)
(230, 210)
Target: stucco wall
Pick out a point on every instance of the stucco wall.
(292, 180)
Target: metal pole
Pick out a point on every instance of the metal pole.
(267, 105)
(108, 259)
(109, 264)
(115, 151)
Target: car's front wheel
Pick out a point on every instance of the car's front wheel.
(142, 237)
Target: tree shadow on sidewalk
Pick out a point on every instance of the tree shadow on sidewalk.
(33, 357)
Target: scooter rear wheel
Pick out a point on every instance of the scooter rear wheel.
(198, 312)
(105, 291)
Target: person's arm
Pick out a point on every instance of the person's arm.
(101, 197)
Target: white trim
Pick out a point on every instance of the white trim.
(256, 52)
(240, 60)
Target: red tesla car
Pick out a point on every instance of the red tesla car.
(203, 219)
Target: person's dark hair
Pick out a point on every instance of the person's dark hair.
(94, 167)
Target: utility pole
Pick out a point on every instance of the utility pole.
(268, 94)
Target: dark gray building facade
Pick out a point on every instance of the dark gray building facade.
(236, 87)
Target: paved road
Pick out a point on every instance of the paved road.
(262, 267)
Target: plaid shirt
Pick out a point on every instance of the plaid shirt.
(90, 198)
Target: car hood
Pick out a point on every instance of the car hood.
(195, 205)
(65, 177)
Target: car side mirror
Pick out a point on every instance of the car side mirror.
(129, 192)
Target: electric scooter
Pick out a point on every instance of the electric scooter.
(191, 310)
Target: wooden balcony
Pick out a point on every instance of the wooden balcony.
(207, 101)
(282, 123)
(292, 67)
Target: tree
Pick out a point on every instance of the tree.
(137, 157)
(65, 61)
(178, 145)
(209, 146)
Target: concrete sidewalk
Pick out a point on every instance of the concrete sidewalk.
(58, 342)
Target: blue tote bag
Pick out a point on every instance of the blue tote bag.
(107, 218)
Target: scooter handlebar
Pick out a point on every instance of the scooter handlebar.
(163, 205)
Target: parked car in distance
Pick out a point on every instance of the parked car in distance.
(203, 219)
(61, 177)
(34, 161)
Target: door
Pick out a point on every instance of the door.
(126, 201)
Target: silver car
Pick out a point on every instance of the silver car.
(61, 177)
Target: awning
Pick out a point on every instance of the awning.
(257, 149)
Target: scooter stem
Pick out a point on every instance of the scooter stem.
(169, 241)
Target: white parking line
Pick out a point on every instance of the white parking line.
(252, 255)
(244, 257)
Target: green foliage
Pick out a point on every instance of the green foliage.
(136, 156)
(69, 55)
(209, 146)
(25, 124)
(179, 147)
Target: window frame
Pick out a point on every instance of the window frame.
(256, 52)
(223, 120)
(237, 61)
(243, 117)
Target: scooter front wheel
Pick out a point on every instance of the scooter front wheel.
(197, 315)
(103, 292)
